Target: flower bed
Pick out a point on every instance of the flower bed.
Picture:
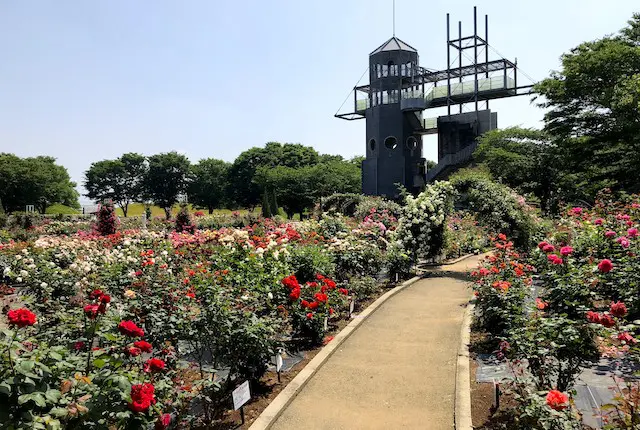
(586, 271)
(134, 328)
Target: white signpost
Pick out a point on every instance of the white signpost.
(352, 306)
(279, 363)
(241, 395)
(30, 209)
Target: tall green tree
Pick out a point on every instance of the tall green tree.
(37, 181)
(167, 178)
(593, 112)
(209, 186)
(524, 159)
(120, 180)
(245, 191)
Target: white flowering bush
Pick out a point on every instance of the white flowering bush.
(421, 230)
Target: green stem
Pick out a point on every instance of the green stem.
(15, 335)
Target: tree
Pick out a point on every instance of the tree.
(297, 189)
(523, 159)
(430, 164)
(118, 180)
(245, 191)
(37, 181)
(593, 113)
(209, 186)
(167, 178)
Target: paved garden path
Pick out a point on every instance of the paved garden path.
(397, 370)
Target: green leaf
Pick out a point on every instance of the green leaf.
(99, 363)
(5, 389)
(59, 412)
(27, 365)
(53, 395)
(55, 355)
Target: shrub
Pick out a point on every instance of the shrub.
(107, 220)
(421, 230)
(332, 224)
(370, 204)
(363, 287)
(354, 257)
(183, 220)
(497, 206)
(307, 261)
(343, 203)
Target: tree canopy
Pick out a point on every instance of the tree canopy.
(167, 178)
(209, 186)
(37, 181)
(119, 180)
(593, 113)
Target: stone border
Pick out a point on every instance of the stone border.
(269, 416)
(462, 406)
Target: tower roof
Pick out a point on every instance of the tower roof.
(394, 44)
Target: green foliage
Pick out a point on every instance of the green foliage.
(363, 287)
(344, 203)
(209, 186)
(370, 204)
(496, 206)
(166, 179)
(37, 181)
(330, 225)
(120, 180)
(308, 261)
(60, 209)
(594, 113)
(244, 190)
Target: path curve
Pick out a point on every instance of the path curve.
(398, 369)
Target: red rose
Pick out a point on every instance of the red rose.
(610, 234)
(344, 291)
(129, 328)
(21, 317)
(91, 311)
(605, 266)
(163, 421)
(607, 320)
(313, 305)
(295, 294)
(106, 298)
(329, 283)
(78, 346)
(143, 345)
(626, 337)
(309, 315)
(95, 294)
(132, 351)
(632, 232)
(618, 309)
(548, 248)
(291, 282)
(599, 221)
(142, 397)
(557, 400)
(542, 244)
(593, 317)
(566, 250)
(154, 365)
(321, 297)
(304, 304)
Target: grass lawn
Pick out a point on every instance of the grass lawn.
(137, 209)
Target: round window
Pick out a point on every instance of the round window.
(412, 143)
(391, 142)
(372, 144)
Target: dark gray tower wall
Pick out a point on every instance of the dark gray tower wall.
(392, 163)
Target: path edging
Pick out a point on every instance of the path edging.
(462, 405)
(449, 263)
(272, 412)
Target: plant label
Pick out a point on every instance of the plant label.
(352, 305)
(326, 324)
(278, 361)
(241, 395)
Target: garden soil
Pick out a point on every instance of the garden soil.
(398, 369)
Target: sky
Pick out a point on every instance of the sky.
(84, 80)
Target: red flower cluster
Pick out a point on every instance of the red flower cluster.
(557, 400)
(129, 328)
(603, 319)
(22, 317)
(92, 310)
(626, 337)
(618, 309)
(142, 397)
(605, 266)
(154, 365)
(566, 250)
(541, 304)
(165, 419)
(144, 346)
(502, 285)
(554, 259)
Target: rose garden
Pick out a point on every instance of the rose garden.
(112, 320)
